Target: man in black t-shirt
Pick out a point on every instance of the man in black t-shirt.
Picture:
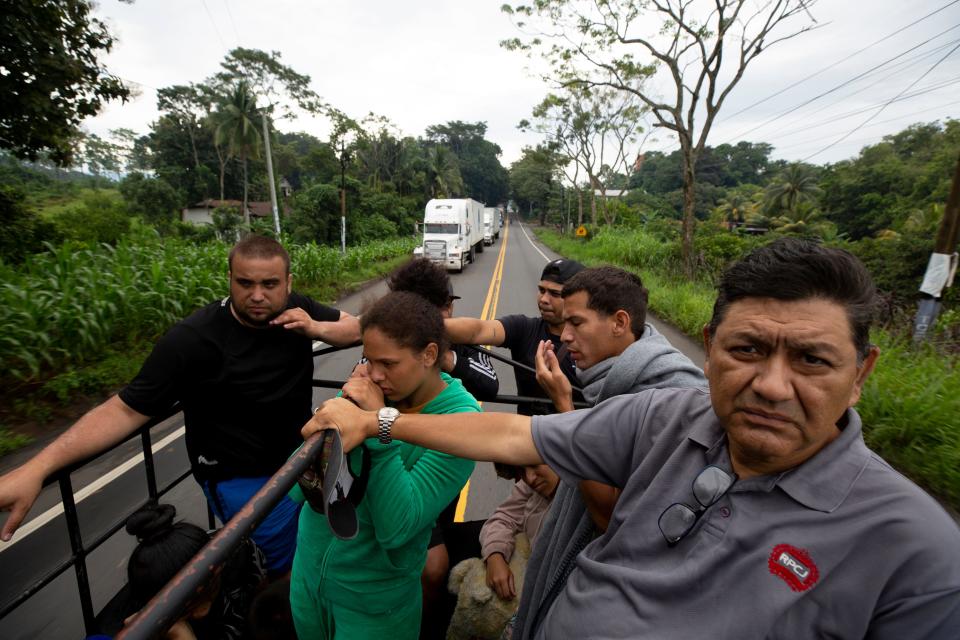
(241, 367)
(522, 334)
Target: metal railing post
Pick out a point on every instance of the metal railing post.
(148, 466)
(79, 553)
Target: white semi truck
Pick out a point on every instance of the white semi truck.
(453, 232)
(491, 225)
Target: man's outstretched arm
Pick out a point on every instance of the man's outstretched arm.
(497, 437)
(340, 333)
(99, 429)
(475, 331)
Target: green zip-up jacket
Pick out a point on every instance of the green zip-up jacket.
(408, 487)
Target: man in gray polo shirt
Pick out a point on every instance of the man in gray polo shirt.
(752, 511)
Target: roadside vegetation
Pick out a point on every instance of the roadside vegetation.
(911, 403)
(79, 318)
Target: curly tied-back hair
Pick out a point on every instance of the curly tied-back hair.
(164, 548)
(424, 278)
(793, 269)
(409, 320)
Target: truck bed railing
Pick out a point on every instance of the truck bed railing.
(167, 606)
(79, 549)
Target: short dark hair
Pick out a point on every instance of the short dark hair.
(409, 320)
(794, 269)
(609, 290)
(253, 246)
(164, 548)
(423, 277)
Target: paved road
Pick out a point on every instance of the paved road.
(55, 612)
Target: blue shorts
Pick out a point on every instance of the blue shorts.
(277, 534)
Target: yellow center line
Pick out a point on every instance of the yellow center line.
(489, 313)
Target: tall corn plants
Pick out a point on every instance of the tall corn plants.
(66, 305)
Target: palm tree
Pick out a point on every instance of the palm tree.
(733, 210)
(236, 122)
(803, 220)
(444, 173)
(795, 185)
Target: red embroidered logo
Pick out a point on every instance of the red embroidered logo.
(794, 565)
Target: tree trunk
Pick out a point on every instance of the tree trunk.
(579, 208)
(593, 201)
(689, 185)
(223, 170)
(193, 145)
(246, 211)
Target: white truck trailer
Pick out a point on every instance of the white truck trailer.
(452, 232)
(491, 225)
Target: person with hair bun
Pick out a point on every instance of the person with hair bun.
(369, 586)
(472, 367)
(163, 548)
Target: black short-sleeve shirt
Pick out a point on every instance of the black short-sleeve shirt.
(522, 335)
(246, 392)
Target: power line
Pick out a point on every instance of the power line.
(214, 23)
(856, 112)
(233, 24)
(904, 65)
(842, 84)
(888, 103)
(841, 61)
(808, 142)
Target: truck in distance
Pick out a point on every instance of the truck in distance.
(452, 232)
(491, 225)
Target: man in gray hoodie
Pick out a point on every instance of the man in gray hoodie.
(616, 352)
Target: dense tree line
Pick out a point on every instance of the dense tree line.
(884, 204)
(208, 144)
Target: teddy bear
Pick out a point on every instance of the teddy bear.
(480, 614)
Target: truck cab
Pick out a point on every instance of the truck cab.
(451, 232)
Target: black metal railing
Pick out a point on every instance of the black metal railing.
(165, 608)
(79, 549)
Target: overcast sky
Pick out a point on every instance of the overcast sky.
(422, 62)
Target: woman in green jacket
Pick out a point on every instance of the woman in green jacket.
(369, 587)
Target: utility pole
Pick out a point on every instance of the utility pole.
(343, 200)
(942, 265)
(563, 219)
(273, 185)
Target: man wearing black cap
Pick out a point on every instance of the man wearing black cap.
(522, 334)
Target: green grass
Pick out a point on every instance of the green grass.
(910, 404)
(11, 441)
(911, 413)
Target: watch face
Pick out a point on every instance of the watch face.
(389, 412)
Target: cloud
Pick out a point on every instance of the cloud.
(421, 63)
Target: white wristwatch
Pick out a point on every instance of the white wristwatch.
(385, 419)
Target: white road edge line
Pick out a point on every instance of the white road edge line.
(54, 511)
(522, 228)
(87, 491)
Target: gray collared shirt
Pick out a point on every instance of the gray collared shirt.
(842, 546)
